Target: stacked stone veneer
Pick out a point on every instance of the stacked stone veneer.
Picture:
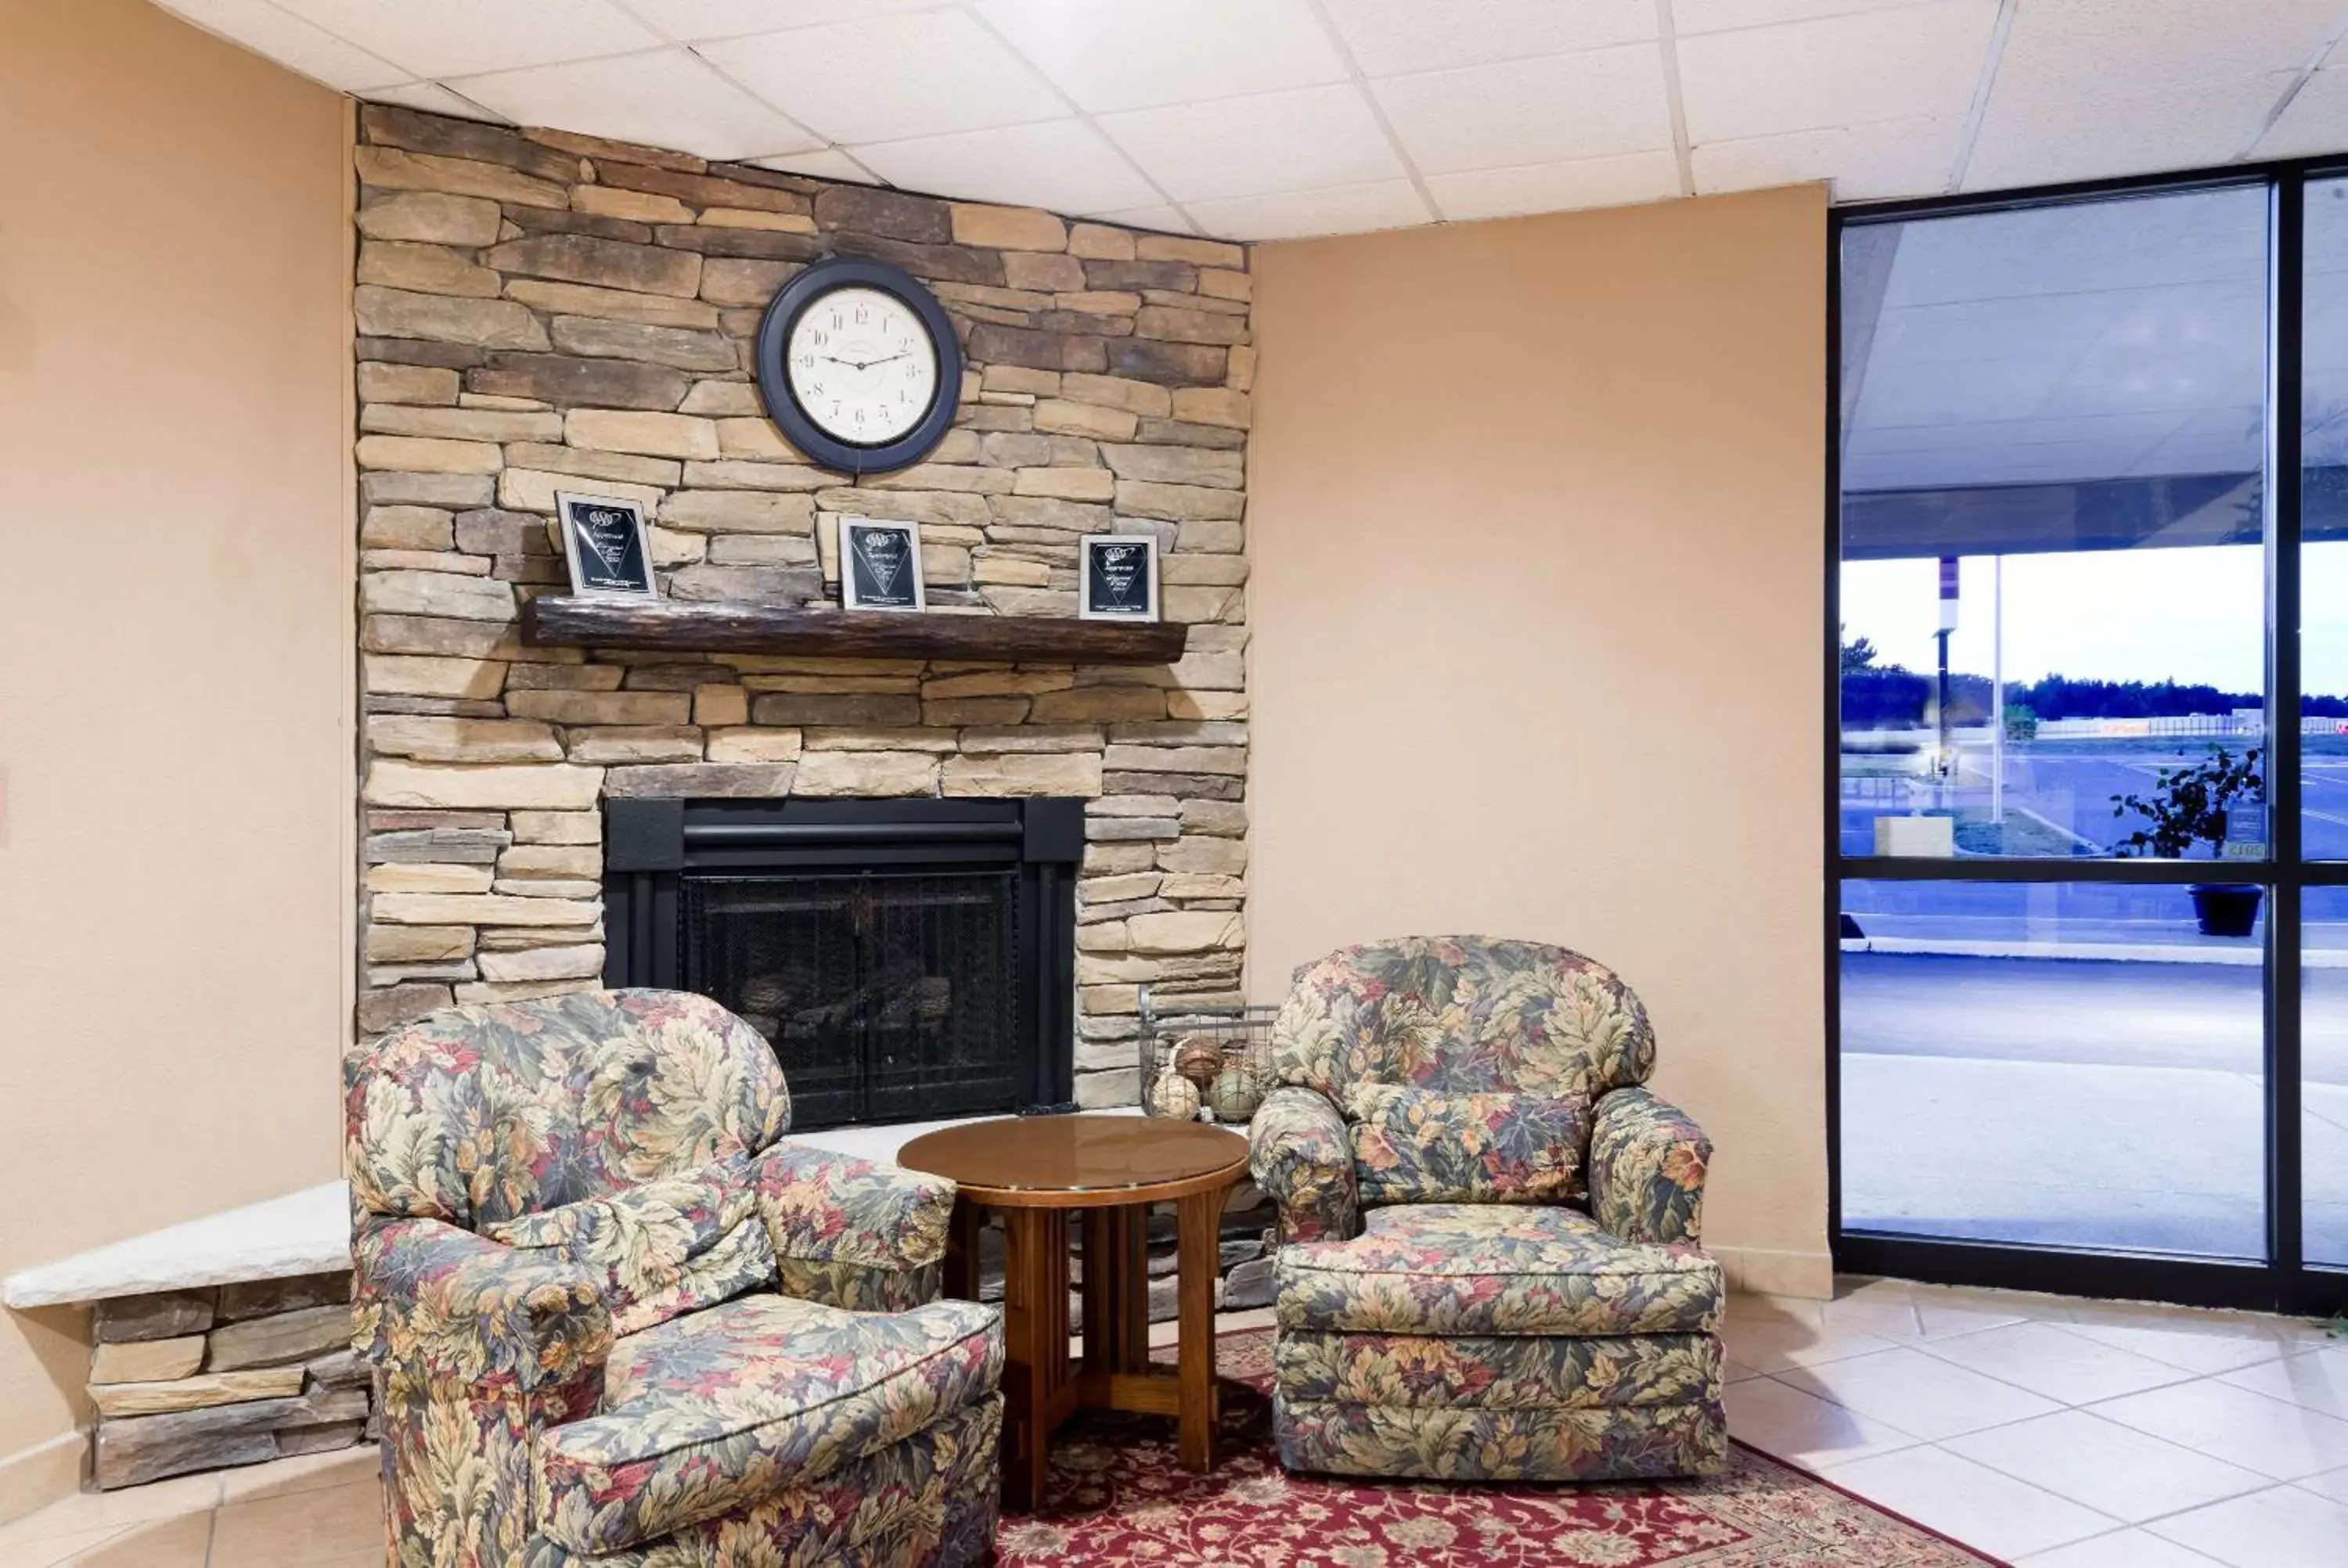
(541, 311)
(235, 1374)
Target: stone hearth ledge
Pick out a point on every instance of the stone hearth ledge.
(308, 1232)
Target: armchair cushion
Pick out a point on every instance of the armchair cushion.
(482, 1113)
(1491, 1372)
(723, 1408)
(660, 1249)
(1647, 1163)
(1299, 1154)
(435, 1303)
(1485, 1268)
(1424, 1146)
(845, 1231)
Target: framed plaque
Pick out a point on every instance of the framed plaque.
(880, 565)
(1119, 581)
(603, 541)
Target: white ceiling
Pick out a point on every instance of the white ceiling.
(1272, 119)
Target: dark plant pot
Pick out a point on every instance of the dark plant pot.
(2226, 909)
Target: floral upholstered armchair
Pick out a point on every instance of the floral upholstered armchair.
(615, 1321)
(1488, 1266)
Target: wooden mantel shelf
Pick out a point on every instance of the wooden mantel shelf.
(573, 621)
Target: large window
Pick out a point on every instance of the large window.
(2092, 794)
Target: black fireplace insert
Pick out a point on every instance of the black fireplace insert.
(908, 959)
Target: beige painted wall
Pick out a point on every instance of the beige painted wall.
(1536, 526)
(175, 693)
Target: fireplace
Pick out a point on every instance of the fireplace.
(908, 959)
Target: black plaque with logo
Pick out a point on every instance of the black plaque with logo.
(1120, 578)
(603, 541)
(879, 565)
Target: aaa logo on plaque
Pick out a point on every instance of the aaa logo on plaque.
(603, 541)
(1120, 578)
(880, 565)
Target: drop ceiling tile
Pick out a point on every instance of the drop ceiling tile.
(1691, 17)
(1310, 139)
(1295, 215)
(669, 98)
(1389, 37)
(2316, 121)
(693, 21)
(1556, 187)
(824, 163)
(466, 37)
(1064, 165)
(1863, 162)
(1138, 54)
(1913, 62)
(278, 34)
(2049, 141)
(1167, 219)
(2100, 48)
(431, 98)
(889, 79)
(1567, 106)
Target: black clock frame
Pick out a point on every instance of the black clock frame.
(801, 295)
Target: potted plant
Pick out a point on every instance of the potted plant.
(2190, 806)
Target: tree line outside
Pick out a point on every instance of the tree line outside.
(1878, 695)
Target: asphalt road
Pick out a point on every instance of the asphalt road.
(2204, 1016)
(2071, 785)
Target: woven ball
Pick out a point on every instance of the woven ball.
(1175, 1096)
(1199, 1059)
(1235, 1092)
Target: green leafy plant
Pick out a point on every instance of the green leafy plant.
(2190, 804)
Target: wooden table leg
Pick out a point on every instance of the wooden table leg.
(1103, 1310)
(1133, 1288)
(1198, 1226)
(1036, 1342)
(961, 1250)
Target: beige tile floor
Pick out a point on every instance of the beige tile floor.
(2058, 1433)
(2053, 1432)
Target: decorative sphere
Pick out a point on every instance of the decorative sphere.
(1235, 1093)
(1175, 1096)
(1199, 1059)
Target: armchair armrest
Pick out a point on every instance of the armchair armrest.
(1647, 1162)
(1300, 1156)
(433, 1301)
(852, 1234)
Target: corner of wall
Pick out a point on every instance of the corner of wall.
(347, 636)
(32, 1479)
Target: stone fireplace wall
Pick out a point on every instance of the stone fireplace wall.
(539, 312)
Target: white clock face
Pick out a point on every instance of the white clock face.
(862, 364)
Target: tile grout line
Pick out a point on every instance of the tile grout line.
(1359, 81)
(1667, 45)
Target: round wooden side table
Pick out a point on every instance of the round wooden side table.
(1034, 1170)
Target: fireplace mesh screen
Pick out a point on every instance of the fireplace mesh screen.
(887, 998)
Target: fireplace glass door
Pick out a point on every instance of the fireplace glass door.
(887, 997)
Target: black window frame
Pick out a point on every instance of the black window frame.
(2285, 1281)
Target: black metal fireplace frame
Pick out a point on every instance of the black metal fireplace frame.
(652, 843)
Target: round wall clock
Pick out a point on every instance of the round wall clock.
(859, 366)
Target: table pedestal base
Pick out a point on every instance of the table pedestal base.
(1042, 1385)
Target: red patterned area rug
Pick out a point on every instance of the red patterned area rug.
(1116, 1497)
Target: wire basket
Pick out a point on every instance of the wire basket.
(1179, 1078)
